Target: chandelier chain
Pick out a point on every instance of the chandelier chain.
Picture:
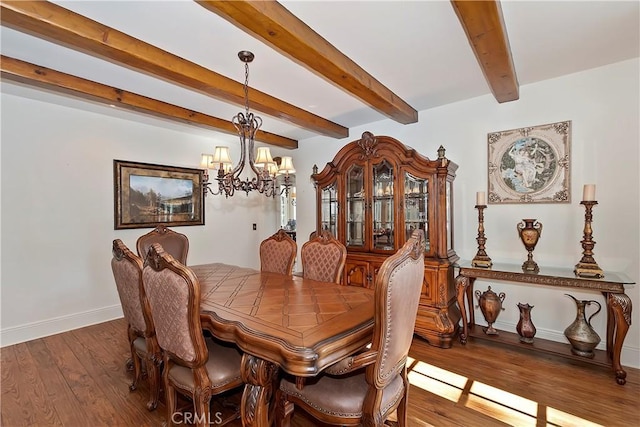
(246, 88)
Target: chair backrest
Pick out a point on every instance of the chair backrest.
(173, 292)
(278, 253)
(127, 272)
(397, 293)
(323, 258)
(176, 244)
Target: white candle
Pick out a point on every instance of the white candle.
(589, 193)
(481, 198)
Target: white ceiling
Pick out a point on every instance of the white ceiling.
(416, 48)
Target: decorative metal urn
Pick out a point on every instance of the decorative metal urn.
(530, 231)
(490, 304)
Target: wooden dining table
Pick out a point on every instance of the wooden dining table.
(282, 324)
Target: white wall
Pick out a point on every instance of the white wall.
(57, 198)
(57, 210)
(603, 105)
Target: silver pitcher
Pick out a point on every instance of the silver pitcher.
(581, 335)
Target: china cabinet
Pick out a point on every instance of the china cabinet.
(371, 197)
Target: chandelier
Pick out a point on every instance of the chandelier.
(262, 165)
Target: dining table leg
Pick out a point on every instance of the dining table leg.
(258, 403)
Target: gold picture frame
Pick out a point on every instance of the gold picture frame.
(530, 165)
(146, 195)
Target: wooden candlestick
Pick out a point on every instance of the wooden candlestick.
(481, 259)
(588, 267)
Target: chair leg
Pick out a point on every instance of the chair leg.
(137, 369)
(284, 410)
(169, 396)
(401, 412)
(201, 402)
(153, 373)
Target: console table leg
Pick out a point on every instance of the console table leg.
(620, 306)
(462, 283)
(472, 314)
(611, 325)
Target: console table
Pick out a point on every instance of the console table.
(612, 287)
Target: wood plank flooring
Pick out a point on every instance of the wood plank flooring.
(78, 378)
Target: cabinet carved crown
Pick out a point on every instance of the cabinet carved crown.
(371, 197)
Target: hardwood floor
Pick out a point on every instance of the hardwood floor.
(78, 378)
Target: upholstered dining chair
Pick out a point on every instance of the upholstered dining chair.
(323, 258)
(175, 243)
(195, 366)
(127, 272)
(368, 387)
(278, 253)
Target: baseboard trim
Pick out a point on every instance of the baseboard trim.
(56, 325)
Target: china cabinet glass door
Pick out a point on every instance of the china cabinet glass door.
(356, 207)
(383, 207)
(329, 209)
(416, 207)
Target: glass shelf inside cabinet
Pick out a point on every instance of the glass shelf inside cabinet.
(383, 207)
(416, 207)
(355, 214)
(330, 209)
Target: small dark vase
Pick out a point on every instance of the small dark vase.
(525, 328)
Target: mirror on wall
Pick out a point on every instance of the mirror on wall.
(287, 202)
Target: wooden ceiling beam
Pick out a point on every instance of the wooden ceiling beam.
(483, 23)
(59, 25)
(272, 23)
(34, 75)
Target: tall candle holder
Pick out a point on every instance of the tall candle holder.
(481, 259)
(588, 267)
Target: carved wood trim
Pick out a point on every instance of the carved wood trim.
(543, 280)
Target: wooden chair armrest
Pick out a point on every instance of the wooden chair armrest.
(352, 363)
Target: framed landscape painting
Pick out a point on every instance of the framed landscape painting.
(530, 165)
(146, 195)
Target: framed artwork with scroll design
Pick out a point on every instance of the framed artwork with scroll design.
(530, 165)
